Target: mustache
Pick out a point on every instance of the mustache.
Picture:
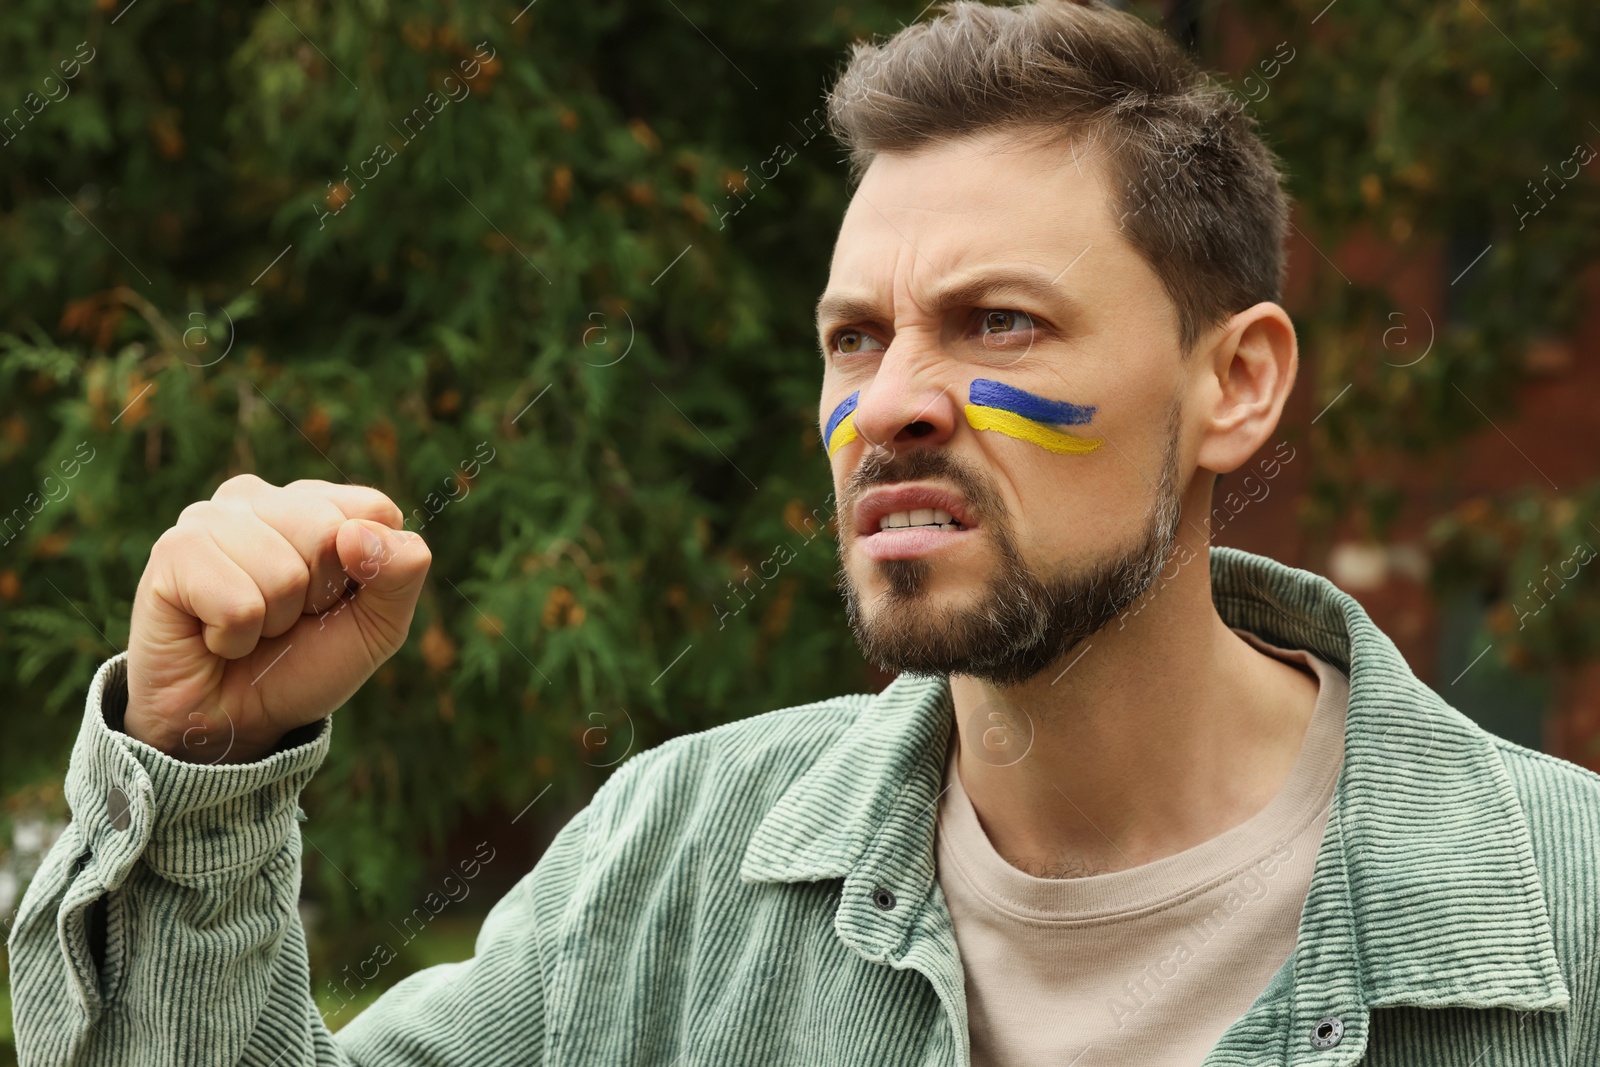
(882, 467)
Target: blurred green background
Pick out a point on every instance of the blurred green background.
(558, 307)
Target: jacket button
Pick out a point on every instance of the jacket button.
(1327, 1033)
(883, 899)
(118, 809)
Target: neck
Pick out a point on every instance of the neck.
(1156, 734)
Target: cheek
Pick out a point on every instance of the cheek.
(841, 475)
(1070, 507)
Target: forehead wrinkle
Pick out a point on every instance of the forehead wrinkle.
(986, 222)
(854, 304)
(957, 289)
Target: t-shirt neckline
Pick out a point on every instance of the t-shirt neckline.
(1305, 795)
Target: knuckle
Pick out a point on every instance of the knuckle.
(232, 510)
(243, 612)
(311, 485)
(287, 582)
(240, 485)
(180, 541)
(195, 512)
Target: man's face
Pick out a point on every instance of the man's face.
(983, 260)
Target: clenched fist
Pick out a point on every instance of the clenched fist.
(264, 609)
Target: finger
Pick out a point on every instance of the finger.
(387, 565)
(365, 629)
(308, 513)
(202, 581)
(276, 566)
(321, 661)
(310, 522)
(355, 501)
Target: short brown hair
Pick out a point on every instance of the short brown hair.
(1199, 195)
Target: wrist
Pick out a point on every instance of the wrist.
(203, 740)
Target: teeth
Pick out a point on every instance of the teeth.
(935, 517)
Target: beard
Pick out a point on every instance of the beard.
(1023, 622)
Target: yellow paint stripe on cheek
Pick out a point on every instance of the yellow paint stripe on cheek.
(843, 433)
(1013, 425)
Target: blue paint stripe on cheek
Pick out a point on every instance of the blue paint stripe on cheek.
(846, 406)
(988, 393)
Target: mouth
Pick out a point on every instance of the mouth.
(937, 518)
(908, 521)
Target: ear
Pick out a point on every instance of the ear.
(1242, 377)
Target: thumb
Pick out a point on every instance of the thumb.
(340, 647)
(387, 565)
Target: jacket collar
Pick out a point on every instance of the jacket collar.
(1425, 890)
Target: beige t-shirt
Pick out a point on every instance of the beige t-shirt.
(1147, 965)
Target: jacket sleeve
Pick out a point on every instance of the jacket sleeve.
(163, 926)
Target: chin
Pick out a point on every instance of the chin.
(922, 583)
(926, 617)
(1005, 623)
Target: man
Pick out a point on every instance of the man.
(1131, 801)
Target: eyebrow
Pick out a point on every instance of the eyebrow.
(958, 292)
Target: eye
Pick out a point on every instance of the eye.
(848, 342)
(1007, 330)
(994, 324)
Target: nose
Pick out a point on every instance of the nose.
(905, 407)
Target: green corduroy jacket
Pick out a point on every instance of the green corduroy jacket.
(717, 900)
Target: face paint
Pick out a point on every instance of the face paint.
(1020, 414)
(841, 428)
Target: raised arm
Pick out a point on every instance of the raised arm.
(163, 926)
(166, 931)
